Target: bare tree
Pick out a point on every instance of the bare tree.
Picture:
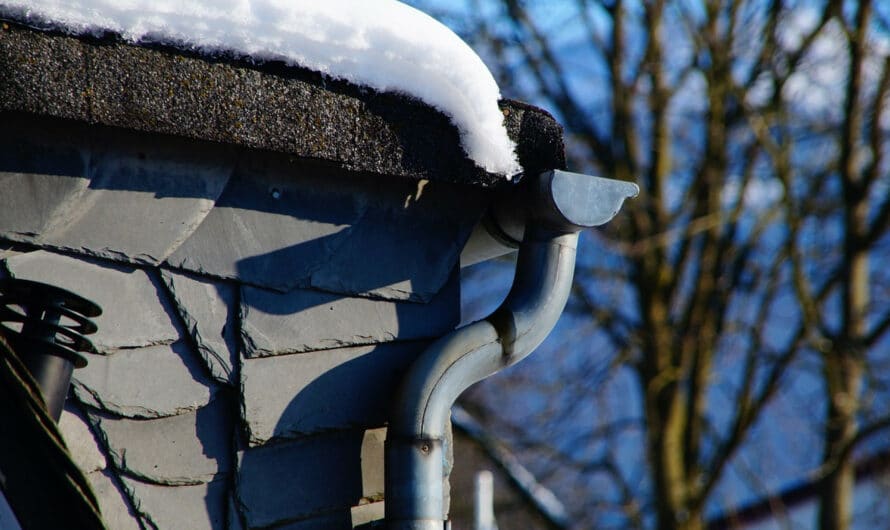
(758, 133)
(849, 332)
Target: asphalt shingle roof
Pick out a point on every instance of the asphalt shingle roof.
(102, 80)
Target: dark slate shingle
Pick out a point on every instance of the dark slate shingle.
(209, 310)
(296, 480)
(114, 503)
(152, 382)
(275, 223)
(305, 320)
(195, 507)
(134, 315)
(260, 218)
(191, 448)
(142, 201)
(302, 393)
(82, 444)
(352, 518)
(32, 200)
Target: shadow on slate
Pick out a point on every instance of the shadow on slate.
(365, 217)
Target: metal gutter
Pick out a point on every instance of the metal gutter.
(556, 206)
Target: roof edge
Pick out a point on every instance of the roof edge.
(229, 99)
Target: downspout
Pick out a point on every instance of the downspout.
(558, 205)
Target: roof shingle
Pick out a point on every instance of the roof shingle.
(266, 106)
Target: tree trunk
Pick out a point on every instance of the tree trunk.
(843, 377)
(836, 499)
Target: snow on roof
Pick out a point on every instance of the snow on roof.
(382, 44)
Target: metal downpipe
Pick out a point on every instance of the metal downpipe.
(414, 452)
(559, 205)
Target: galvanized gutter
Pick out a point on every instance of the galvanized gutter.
(556, 206)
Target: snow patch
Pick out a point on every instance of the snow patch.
(382, 44)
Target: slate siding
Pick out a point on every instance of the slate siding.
(271, 249)
(258, 313)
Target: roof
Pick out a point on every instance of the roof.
(270, 106)
(385, 45)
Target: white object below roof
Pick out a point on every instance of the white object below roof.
(382, 44)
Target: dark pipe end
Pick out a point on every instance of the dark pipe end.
(52, 327)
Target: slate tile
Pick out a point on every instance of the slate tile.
(113, 502)
(209, 310)
(190, 448)
(396, 253)
(133, 315)
(285, 482)
(82, 445)
(290, 224)
(279, 223)
(150, 382)
(233, 518)
(406, 248)
(303, 393)
(5, 253)
(107, 192)
(143, 199)
(194, 507)
(302, 320)
(33, 203)
(340, 520)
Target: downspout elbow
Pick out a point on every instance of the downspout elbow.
(559, 205)
(539, 293)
